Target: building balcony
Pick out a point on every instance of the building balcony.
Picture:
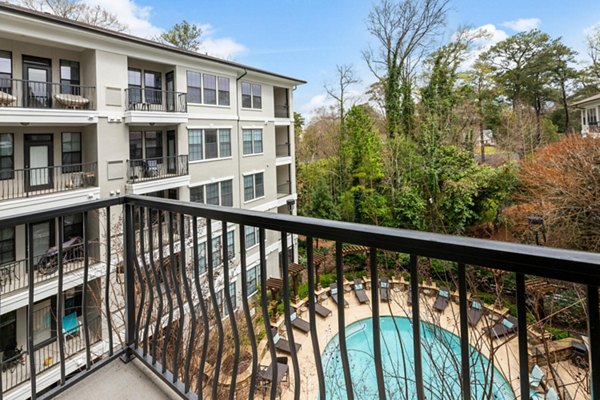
(156, 174)
(153, 106)
(421, 315)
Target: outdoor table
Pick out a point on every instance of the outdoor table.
(267, 374)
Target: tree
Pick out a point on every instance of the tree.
(345, 78)
(404, 31)
(593, 45)
(77, 10)
(562, 75)
(183, 35)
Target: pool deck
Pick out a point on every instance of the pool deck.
(506, 351)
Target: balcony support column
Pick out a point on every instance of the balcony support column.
(129, 240)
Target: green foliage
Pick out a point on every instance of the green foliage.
(183, 35)
(558, 333)
(327, 279)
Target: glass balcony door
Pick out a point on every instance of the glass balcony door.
(38, 162)
(38, 88)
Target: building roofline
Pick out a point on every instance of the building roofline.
(590, 99)
(14, 9)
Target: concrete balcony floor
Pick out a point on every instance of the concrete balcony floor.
(118, 380)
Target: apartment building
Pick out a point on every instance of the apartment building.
(87, 113)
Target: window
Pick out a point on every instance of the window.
(74, 301)
(8, 331)
(134, 77)
(5, 71)
(253, 141)
(216, 251)
(218, 194)
(71, 152)
(202, 257)
(69, 77)
(207, 89)
(153, 144)
(253, 279)
(207, 144)
(253, 186)
(7, 161)
(230, 245)
(223, 91)
(44, 320)
(252, 236)
(591, 116)
(7, 245)
(194, 87)
(251, 95)
(232, 295)
(73, 226)
(210, 89)
(153, 86)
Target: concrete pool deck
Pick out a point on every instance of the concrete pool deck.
(505, 351)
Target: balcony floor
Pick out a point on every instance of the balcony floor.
(118, 380)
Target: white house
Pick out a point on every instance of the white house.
(590, 115)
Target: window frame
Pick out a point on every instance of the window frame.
(70, 166)
(72, 85)
(252, 99)
(10, 248)
(198, 148)
(252, 282)
(221, 196)
(5, 173)
(8, 87)
(255, 194)
(253, 142)
(218, 94)
(194, 88)
(254, 232)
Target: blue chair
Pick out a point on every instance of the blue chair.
(71, 325)
(536, 376)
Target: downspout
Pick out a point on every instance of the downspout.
(239, 163)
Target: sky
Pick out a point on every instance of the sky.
(307, 39)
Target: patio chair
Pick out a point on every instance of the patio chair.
(359, 291)
(299, 323)
(504, 327)
(551, 394)
(442, 299)
(334, 291)
(384, 289)
(475, 311)
(282, 344)
(322, 310)
(150, 168)
(536, 376)
(71, 325)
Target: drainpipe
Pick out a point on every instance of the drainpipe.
(237, 102)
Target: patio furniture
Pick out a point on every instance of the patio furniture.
(8, 272)
(442, 300)
(282, 344)
(384, 289)
(475, 311)
(322, 310)
(551, 394)
(71, 325)
(150, 168)
(536, 376)
(71, 250)
(73, 101)
(334, 292)
(12, 356)
(6, 99)
(579, 357)
(299, 323)
(505, 327)
(359, 291)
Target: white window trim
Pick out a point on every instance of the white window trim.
(251, 96)
(254, 185)
(212, 180)
(253, 266)
(217, 75)
(204, 159)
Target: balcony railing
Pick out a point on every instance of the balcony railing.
(33, 94)
(282, 111)
(150, 169)
(146, 99)
(180, 324)
(284, 189)
(29, 182)
(283, 150)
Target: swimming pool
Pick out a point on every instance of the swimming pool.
(441, 364)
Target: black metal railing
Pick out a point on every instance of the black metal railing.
(284, 189)
(27, 182)
(282, 111)
(147, 99)
(181, 324)
(33, 94)
(283, 150)
(150, 169)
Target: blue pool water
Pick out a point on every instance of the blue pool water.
(441, 364)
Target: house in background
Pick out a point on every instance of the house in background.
(590, 115)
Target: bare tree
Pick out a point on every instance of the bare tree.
(77, 10)
(405, 31)
(593, 44)
(345, 78)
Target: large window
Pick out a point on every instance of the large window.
(5, 71)
(69, 77)
(207, 89)
(218, 193)
(134, 77)
(73, 226)
(251, 95)
(71, 152)
(591, 116)
(253, 141)
(145, 145)
(253, 279)
(7, 160)
(217, 251)
(207, 144)
(153, 86)
(8, 331)
(253, 186)
(232, 295)
(7, 245)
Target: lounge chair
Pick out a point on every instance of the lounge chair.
(384, 289)
(322, 310)
(282, 344)
(334, 292)
(299, 323)
(359, 291)
(475, 311)
(442, 300)
(504, 327)
(551, 394)
(536, 376)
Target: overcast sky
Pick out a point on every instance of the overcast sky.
(306, 39)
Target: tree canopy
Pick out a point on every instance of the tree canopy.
(183, 35)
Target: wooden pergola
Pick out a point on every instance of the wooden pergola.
(275, 285)
(295, 270)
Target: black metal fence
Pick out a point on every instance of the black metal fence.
(181, 318)
(33, 94)
(148, 99)
(150, 169)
